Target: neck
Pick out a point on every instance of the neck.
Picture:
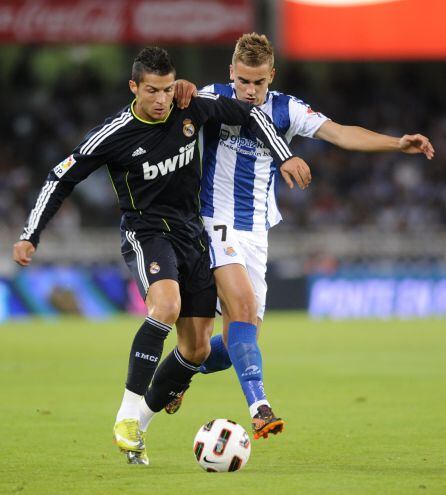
(145, 117)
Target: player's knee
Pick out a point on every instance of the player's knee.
(198, 354)
(202, 352)
(166, 311)
(244, 309)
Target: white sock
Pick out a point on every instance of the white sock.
(253, 407)
(145, 415)
(129, 406)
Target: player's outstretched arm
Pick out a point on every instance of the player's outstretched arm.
(184, 91)
(359, 139)
(22, 252)
(295, 168)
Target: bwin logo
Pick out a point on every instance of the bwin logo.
(251, 370)
(147, 357)
(170, 164)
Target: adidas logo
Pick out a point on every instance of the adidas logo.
(139, 151)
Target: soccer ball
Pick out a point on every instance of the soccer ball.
(222, 445)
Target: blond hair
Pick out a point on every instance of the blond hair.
(253, 49)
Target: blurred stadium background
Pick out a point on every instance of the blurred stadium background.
(367, 239)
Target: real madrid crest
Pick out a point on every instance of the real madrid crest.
(188, 128)
(154, 268)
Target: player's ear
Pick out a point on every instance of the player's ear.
(133, 87)
(273, 73)
(231, 72)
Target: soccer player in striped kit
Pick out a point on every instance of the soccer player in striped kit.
(239, 207)
(151, 151)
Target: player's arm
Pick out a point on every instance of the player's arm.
(360, 139)
(234, 112)
(59, 184)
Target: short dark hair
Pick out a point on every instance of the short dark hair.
(153, 60)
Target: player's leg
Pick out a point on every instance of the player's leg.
(235, 291)
(243, 348)
(227, 258)
(176, 371)
(163, 307)
(194, 328)
(239, 304)
(163, 303)
(156, 281)
(242, 293)
(255, 246)
(219, 359)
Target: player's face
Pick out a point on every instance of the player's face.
(251, 83)
(154, 95)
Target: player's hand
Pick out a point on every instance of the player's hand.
(184, 90)
(417, 143)
(22, 252)
(295, 168)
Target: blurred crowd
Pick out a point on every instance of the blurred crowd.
(390, 191)
(42, 123)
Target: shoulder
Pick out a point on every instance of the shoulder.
(219, 89)
(123, 116)
(203, 102)
(290, 107)
(290, 100)
(207, 95)
(102, 133)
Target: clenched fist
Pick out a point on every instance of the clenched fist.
(22, 252)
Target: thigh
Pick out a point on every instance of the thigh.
(148, 260)
(240, 282)
(256, 259)
(236, 293)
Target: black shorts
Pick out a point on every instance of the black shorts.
(159, 256)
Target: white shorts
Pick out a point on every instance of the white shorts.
(250, 249)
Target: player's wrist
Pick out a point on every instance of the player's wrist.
(286, 160)
(33, 240)
(399, 144)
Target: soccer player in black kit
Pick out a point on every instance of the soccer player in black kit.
(151, 151)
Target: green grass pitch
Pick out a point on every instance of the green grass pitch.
(364, 404)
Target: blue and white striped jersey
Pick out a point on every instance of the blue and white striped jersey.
(239, 174)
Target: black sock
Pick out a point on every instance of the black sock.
(171, 378)
(145, 354)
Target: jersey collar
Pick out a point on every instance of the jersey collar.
(152, 122)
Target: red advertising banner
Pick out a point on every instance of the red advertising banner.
(363, 29)
(128, 21)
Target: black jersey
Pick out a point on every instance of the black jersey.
(155, 167)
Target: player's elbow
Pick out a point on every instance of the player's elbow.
(339, 135)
